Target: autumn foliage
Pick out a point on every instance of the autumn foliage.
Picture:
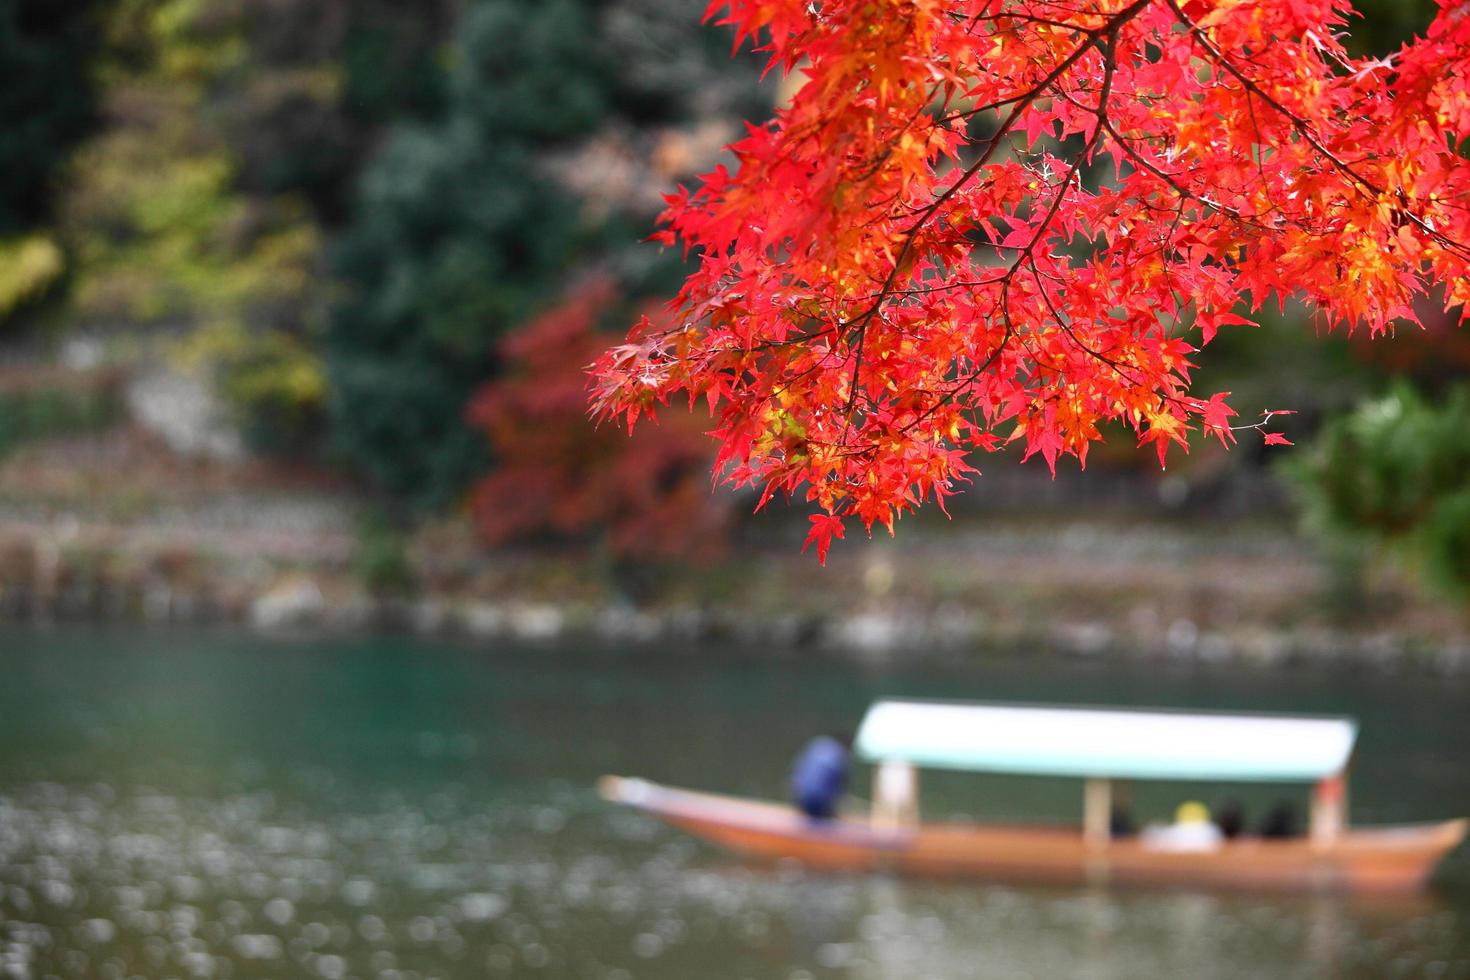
(991, 221)
(648, 496)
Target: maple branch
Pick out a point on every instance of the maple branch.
(1143, 163)
(1103, 125)
(1095, 38)
(912, 262)
(1304, 130)
(1027, 254)
(960, 284)
(1067, 327)
(887, 153)
(1272, 438)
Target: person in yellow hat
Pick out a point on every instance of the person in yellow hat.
(1192, 830)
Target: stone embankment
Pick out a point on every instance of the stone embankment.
(1246, 596)
(108, 520)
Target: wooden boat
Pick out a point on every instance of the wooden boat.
(1099, 745)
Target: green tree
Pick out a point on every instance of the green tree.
(461, 232)
(47, 103)
(203, 206)
(162, 235)
(319, 82)
(1395, 474)
(455, 238)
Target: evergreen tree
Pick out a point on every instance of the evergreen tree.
(47, 103)
(456, 236)
(461, 233)
(46, 100)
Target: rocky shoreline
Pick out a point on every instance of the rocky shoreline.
(187, 591)
(114, 528)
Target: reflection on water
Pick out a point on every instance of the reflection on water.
(213, 806)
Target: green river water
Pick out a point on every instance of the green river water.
(221, 805)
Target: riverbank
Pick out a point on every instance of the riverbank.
(115, 529)
(1174, 618)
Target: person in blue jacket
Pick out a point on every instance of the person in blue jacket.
(819, 777)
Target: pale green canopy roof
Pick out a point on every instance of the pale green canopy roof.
(1106, 742)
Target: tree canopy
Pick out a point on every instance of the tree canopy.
(988, 221)
(463, 229)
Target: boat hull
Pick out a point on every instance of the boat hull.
(1378, 860)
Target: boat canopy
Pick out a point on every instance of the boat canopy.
(1115, 743)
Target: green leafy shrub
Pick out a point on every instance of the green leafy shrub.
(1395, 474)
(380, 559)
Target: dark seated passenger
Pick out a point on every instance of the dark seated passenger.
(1120, 822)
(1280, 822)
(1230, 818)
(819, 777)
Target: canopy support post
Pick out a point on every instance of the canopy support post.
(895, 794)
(1329, 810)
(1097, 812)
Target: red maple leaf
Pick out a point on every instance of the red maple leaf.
(824, 528)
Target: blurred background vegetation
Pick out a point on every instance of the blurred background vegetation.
(349, 236)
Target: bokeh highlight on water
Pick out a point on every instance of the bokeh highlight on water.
(223, 806)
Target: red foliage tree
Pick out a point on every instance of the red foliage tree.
(650, 495)
(982, 221)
